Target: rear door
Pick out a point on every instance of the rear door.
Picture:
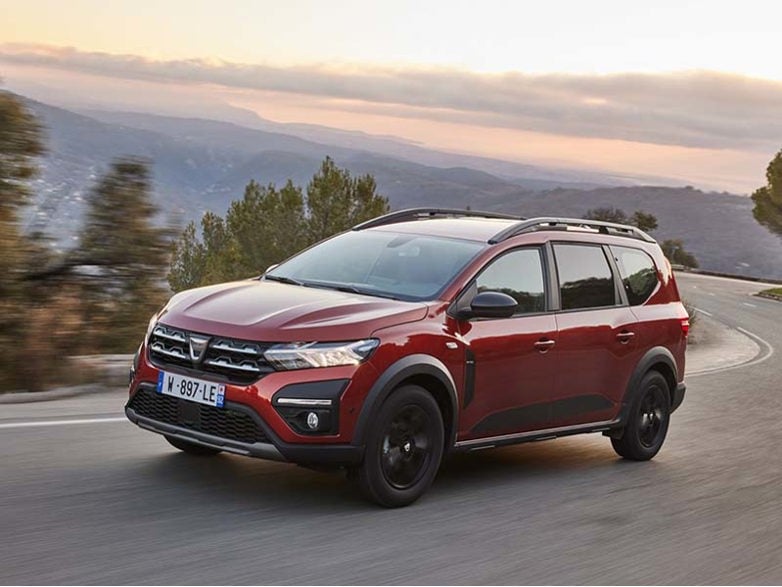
(596, 347)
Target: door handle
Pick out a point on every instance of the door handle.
(625, 336)
(545, 344)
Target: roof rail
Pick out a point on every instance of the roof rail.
(536, 224)
(426, 213)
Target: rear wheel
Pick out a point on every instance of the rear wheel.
(404, 448)
(647, 420)
(191, 448)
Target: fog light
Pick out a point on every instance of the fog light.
(313, 421)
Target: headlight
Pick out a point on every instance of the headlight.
(307, 355)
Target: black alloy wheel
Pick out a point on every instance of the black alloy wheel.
(650, 418)
(647, 420)
(404, 448)
(407, 447)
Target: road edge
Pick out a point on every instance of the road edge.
(24, 397)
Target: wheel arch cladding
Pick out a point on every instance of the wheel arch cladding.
(666, 371)
(441, 395)
(419, 369)
(658, 359)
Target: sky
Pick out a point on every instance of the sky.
(690, 90)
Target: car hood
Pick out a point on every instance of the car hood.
(277, 312)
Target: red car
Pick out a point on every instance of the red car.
(420, 333)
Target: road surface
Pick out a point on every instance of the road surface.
(100, 501)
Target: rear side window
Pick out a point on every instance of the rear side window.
(518, 274)
(638, 272)
(585, 278)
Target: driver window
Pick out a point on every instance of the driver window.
(519, 274)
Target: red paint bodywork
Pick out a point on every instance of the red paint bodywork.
(587, 358)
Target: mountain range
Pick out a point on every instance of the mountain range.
(201, 165)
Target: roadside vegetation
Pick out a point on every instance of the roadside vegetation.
(768, 199)
(269, 225)
(97, 297)
(691, 311)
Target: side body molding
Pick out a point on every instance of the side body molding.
(396, 373)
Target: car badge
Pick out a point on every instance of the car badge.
(198, 346)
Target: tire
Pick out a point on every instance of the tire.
(647, 420)
(403, 450)
(191, 448)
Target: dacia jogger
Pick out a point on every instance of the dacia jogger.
(416, 334)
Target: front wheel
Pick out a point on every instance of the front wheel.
(404, 448)
(191, 448)
(647, 420)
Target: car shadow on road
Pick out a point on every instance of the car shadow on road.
(255, 483)
(559, 458)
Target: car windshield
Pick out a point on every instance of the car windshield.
(379, 263)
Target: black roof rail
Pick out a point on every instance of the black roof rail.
(426, 213)
(535, 224)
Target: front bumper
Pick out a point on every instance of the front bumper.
(272, 448)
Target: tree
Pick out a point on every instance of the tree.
(269, 225)
(640, 219)
(608, 214)
(768, 199)
(187, 260)
(20, 144)
(337, 201)
(122, 254)
(674, 250)
(643, 220)
(264, 227)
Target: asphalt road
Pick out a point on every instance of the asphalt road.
(104, 502)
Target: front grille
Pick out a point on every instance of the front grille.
(238, 361)
(221, 422)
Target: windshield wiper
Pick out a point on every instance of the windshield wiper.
(283, 279)
(350, 288)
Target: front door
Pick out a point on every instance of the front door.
(510, 361)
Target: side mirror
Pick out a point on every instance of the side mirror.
(270, 267)
(492, 304)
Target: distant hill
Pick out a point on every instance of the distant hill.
(203, 165)
(530, 176)
(717, 227)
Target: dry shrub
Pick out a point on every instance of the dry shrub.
(51, 332)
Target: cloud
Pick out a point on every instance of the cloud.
(692, 109)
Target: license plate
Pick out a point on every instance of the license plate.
(191, 389)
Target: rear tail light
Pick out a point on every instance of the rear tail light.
(685, 322)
